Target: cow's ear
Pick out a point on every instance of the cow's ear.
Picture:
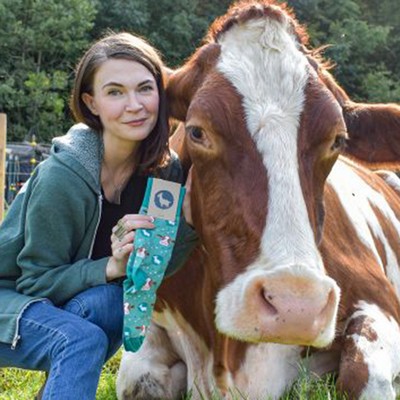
(183, 83)
(374, 133)
(166, 74)
(178, 95)
(373, 129)
(330, 82)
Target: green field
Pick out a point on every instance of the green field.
(24, 385)
(16, 384)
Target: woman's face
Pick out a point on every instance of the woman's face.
(125, 98)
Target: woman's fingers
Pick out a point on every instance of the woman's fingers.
(122, 252)
(117, 242)
(121, 248)
(123, 233)
(131, 222)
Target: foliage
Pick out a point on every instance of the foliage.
(360, 42)
(175, 28)
(41, 41)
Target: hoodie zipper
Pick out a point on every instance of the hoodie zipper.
(100, 201)
(17, 336)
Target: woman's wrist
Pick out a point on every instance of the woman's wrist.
(112, 270)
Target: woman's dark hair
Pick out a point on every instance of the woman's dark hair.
(154, 150)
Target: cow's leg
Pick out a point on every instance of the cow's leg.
(370, 359)
(154, 372)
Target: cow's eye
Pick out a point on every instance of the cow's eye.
(195, 133)
(339, 143)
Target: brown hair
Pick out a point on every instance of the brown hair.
(154, 150)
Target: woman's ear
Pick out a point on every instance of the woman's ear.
(90, 103)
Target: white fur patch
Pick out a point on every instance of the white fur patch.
(391, 179)
(268, 370)
(261, 59)
(381, 355)
(357, 198)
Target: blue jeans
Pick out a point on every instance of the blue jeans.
(71, 343)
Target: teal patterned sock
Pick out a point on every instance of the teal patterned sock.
(149, 259)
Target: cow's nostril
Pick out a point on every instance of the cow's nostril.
(267, 301)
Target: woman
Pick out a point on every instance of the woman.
(60, 293)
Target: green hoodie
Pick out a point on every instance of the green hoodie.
(47, 236)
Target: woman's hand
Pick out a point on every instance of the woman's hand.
(186, 206)
(122, 237)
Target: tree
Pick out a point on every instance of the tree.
(176, 28)
(40, 41)
(358, 38)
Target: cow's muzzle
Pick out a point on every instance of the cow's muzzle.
(290, 305)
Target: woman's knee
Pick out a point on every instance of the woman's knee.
(101, 305)
(81, 338)
(93, 302)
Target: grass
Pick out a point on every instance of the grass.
(310, 388)
(16, 384)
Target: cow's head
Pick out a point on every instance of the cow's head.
(263, 132)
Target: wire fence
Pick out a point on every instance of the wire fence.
(21, 160)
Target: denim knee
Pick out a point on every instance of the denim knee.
(103, 306)
(82, 340)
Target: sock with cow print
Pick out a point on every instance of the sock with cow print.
(149, 259)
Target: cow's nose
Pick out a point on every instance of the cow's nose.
(295, 308)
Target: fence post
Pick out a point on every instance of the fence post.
(3, 140)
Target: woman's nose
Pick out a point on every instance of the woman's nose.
(133, 103)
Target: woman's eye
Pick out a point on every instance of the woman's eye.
(147, 88)
(114, 92)
(339, 143)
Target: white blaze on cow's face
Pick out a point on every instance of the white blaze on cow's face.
(284, 295)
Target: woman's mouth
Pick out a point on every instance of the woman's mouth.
(136, 122)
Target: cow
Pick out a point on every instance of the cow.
(299, 242)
